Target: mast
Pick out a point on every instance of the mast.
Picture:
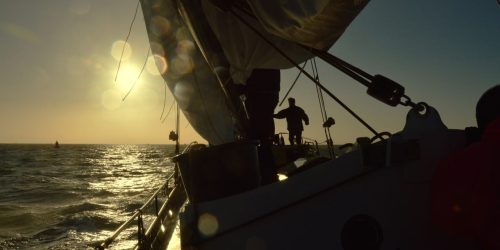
(177, 130)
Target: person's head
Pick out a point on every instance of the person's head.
(488, 107)
(291, 101)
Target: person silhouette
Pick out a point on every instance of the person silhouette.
(465, 190)
(262, 96)
(294, 116)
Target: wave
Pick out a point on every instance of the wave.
(10, 220)
(88, 223)
(86, 206)
(65, 198)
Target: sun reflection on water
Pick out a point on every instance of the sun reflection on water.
(126, 182)
(123, 171)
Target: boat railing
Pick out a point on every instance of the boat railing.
(306, 141)
(164, 190)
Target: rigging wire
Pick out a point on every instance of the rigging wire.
(294, 82)
(139, 76)
(324, 115)
(164, 100)
(350, 111)
(126, 39)
(170, 109)
(232, 105)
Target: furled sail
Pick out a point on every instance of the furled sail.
(210, 48)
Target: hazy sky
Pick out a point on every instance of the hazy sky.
(57, 70)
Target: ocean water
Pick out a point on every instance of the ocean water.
(73, 196)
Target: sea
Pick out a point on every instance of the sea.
(74, 196)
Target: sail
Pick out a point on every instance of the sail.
(186, 73)
(208, 48)
(286, 23)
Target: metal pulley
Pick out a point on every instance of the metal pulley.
(386, 90)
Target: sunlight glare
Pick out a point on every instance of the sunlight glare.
(126, 77)
(300, 162)
(117, 48)
(282, 177)
(111, 99)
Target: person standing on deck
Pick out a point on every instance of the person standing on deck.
(294, 116)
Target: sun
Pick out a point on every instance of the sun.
(126, 78)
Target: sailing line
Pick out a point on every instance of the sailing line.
(126, 39)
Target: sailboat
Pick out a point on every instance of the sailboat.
(374, 197)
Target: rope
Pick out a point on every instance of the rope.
(126, 39)
(307, 74)
(170, 109)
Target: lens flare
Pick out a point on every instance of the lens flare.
(118, 47)
(157, 65)
(157, 49)
(185, 47)
(182, 34)
(208, 224)
(160, 26)
(184, 93)
(182, 65)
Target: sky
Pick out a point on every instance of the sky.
(59, 59)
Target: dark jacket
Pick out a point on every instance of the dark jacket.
(294, 116)
(466, 191)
